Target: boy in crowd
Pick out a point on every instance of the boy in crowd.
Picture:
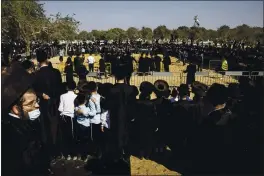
(66, 109)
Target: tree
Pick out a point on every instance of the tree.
(132, 33)
(118, 34)
(63, 28)
(22, 20)
(183, 32)
(175, 34)
(223, 33)
(161, 32)
(83, 35)
(146, 33)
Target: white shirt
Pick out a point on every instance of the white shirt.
(90, 60)
(66, 106)
(83, 50)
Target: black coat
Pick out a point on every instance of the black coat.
(82, 72)
(120, 103)
(145, 123)
(48, 80)
(69, 73)
(191, 70)
(22, 150)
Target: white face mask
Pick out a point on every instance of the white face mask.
(34, 114)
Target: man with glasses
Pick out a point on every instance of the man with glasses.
(22, 148)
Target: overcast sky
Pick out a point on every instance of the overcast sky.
(123, 14)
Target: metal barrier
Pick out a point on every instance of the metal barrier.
(176, 78)
(256, 75)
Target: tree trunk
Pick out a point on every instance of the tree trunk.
(66, 50)
(27, 48)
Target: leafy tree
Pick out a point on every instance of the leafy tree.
(132, 33)
(63, 28)
(83, 35)
(183, 32)
(22, 20)
(161, 32)
(146, 33)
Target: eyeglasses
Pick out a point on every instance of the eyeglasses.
(32, 103)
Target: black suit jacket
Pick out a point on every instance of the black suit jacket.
(48, 80)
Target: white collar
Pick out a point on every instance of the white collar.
(43, 66)
(14, 115)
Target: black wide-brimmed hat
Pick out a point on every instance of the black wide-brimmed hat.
(161, 88)
(15, 82)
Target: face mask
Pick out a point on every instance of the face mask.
(34, 114)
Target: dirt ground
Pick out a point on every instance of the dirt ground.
(150, 167)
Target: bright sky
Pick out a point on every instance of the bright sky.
(103, 15)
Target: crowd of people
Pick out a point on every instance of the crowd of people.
(238, 56)
(218, 130)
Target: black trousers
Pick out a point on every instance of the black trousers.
(166, 68)
(67, 135)
(83, 139)
(91, 67)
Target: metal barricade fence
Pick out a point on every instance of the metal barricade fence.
(257, 75)
(175, 79)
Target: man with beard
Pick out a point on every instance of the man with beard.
(48, 84)
(22, 149)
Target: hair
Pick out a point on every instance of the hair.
(92, 86)
(71, 85)
(80, 99)
(183, 90)
(61, 58)
(41, 55)
(174, 92)
(217, 94)
(27, 64)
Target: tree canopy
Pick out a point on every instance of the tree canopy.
(27, 21)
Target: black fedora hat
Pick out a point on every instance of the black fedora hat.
(15, 82)
(161, 88)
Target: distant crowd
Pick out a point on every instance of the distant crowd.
(218, 131)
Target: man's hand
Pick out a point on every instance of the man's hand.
(45, 97)
(102, 128)
(93, 100)
(79, 112)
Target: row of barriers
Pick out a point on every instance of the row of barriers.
(175, 78)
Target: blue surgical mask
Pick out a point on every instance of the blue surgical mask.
(34, 114)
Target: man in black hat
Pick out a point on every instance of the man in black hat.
(190, 70)
(22, 150)
(216, 135)
(121, 99)
(129, 61)
(163, 106)
(157, 62)
(166, 61)
(48, 84)
(77, 62)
